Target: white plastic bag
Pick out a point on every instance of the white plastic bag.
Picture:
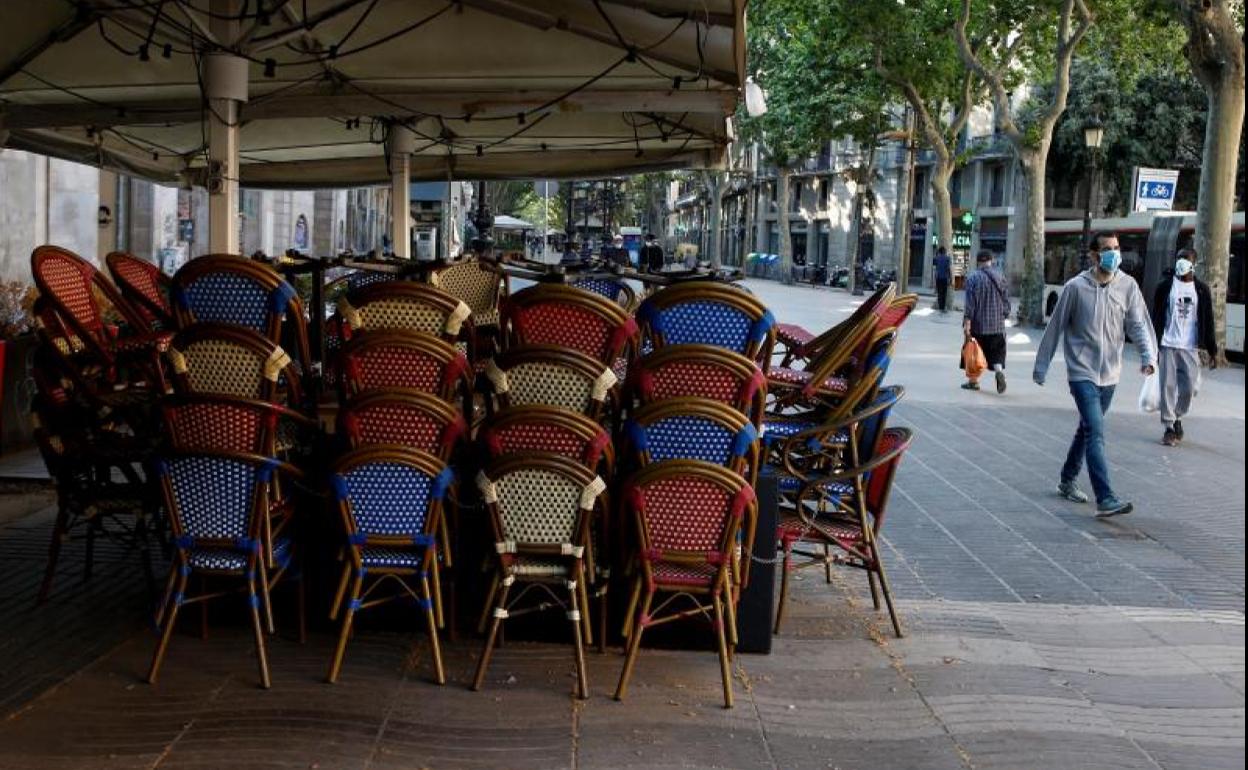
(1150, 394)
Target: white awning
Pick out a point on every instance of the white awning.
(488, 88)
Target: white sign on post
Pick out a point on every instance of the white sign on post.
(1155, 189)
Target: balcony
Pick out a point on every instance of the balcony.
(988, 146)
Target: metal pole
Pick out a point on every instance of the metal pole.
(225, 87)
(1087, 203)
(400, 150)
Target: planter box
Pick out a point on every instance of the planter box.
(16, 391)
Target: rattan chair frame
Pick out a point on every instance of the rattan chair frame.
(456, 371)
(721, 594)
(354, 572)
(794, 352)
(272, 361)
(260, 274)
(751, 399)
(704, 291)
(571, 553)
(600, 379)
(155, 309)
(255, 573)
(860, 511)
(622, 341)
(455, 322)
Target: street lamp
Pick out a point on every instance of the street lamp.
(1093, 133)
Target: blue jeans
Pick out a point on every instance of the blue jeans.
(1093, 402)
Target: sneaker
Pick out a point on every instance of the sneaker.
(1178, 429)
(1000, 380)
(1112, 507)
(1171, 438)
(1071, 491)
(970, 386)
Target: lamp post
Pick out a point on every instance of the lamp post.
(1093, 133)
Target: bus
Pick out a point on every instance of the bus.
(1149, 242)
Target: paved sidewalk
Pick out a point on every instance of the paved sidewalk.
(1038, 636)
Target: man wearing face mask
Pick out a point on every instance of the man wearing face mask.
(1094, 311)
(1183, 320)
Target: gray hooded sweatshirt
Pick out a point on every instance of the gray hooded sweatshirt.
(1093, 318)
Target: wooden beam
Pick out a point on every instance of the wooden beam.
(331, 101)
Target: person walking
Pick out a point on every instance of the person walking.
(942, 270)
(987, 306)
(1183, 321)
(1095, 310)
(652, 254)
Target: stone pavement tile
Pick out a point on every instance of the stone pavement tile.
(933, 650)
(1182, 757)
(1181, 633)
(1083, 634)
(1142, 661)
(812, 753)
(1051, 749)
(958, 679)
(1197, 691)
(1215, 727)
(997, 713)
(901, 717)
(672, 716)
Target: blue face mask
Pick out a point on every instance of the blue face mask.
(1111, 259)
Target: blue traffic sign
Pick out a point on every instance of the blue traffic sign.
(1163, 191)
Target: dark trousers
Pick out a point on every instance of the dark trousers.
(942, 294)
(993, 346)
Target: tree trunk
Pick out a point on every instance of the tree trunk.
(943, 202)
(786, 240)
(1031, 293)
(855, 238)
(715, 214)
(1215, 49)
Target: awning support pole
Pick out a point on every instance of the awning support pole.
(225, 87)
(399, 150)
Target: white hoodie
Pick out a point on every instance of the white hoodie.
(1093, 317)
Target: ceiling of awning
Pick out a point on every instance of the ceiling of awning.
(488, 88)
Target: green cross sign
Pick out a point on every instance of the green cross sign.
(968, 219)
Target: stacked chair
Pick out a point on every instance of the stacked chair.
(237, 440)
(98, 378)
(604, 440)
(695, 401)
(405, 406)
(827, 442)
(551, 396)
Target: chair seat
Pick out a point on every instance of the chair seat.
(792, 529)
(529, 566)
(793, 336)
(485, 318)
(390, 556)
(785, 378)
(667, 575)
(787, 483)
(233, 560)
(158, 341)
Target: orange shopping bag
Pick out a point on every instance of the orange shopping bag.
(973, 360)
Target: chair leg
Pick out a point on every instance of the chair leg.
(827, 565)
(431, 624)
(266, 601)
(488, 605)
(341, 592)
(500, 612)
(54, 552)
(262, 658)
(888, 594)
(634, 645)
(602, 619)
(627, 630)
(578, 619)
(164, 601)
(725, 666)
(785, 567)
(336, 663)
(587, 623)
(875, 591)
(158, 657)
(730, 615)
(435, 572)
